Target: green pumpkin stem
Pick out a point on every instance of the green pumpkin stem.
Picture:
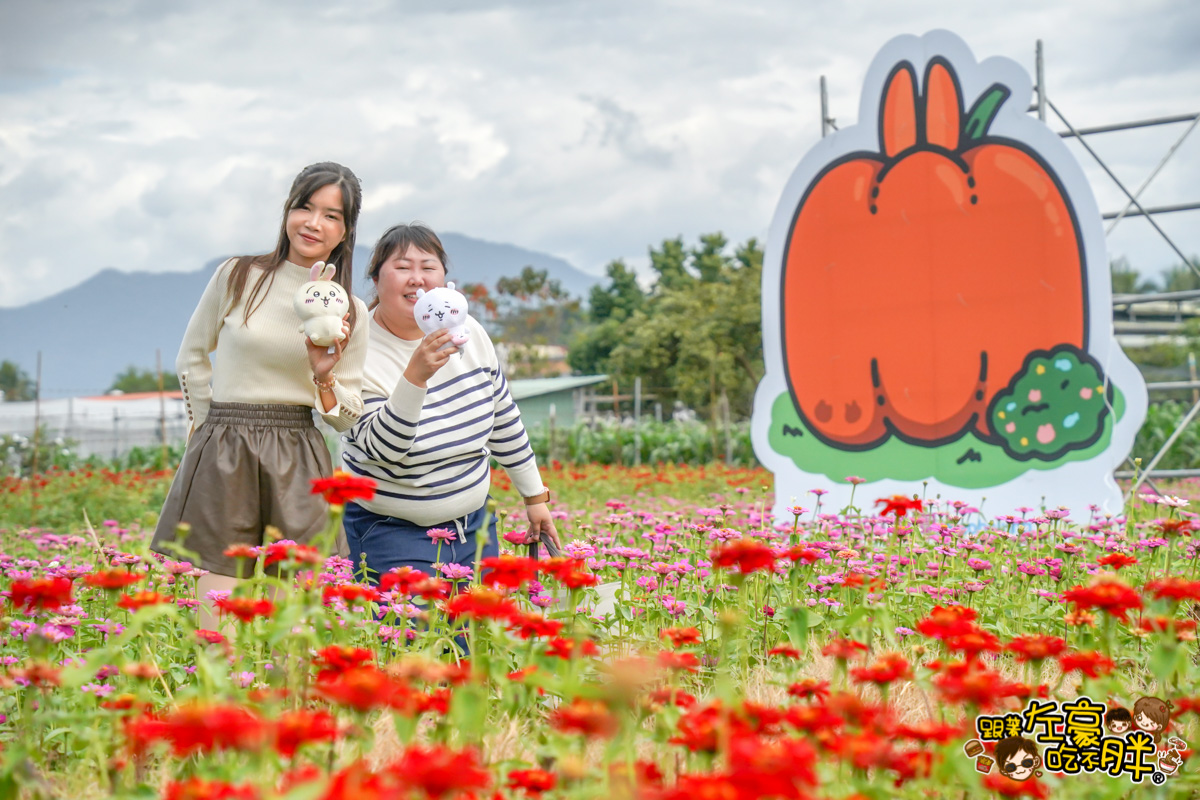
(984, 111)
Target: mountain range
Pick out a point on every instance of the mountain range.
(91, 332)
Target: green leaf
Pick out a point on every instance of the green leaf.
(980, 117)
(797, 618)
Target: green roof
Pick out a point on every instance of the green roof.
(532, 387)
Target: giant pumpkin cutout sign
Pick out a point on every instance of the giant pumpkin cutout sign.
(937, 301)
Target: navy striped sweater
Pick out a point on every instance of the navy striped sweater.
(429, 449)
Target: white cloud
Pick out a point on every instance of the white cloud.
(159, 136)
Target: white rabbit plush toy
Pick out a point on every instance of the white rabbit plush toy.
(444, 307)
(321, 304)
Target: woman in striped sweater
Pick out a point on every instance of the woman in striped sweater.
(432, 421)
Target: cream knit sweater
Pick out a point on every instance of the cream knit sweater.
(263, 361)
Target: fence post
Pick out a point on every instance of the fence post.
(658, 413)
(1192, 373)
(553, 415)
(162, 406)
(637, 421)
(116, 434)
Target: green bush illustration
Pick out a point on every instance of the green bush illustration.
(1055, 404)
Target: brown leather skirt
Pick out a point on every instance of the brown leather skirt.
(246, 467)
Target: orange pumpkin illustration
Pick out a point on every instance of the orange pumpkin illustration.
(916, 280)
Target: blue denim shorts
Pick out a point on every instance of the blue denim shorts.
(390, 542)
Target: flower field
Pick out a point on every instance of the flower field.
(685, 646)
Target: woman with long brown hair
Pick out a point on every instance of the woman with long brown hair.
(252, 447)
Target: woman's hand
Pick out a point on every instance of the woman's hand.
(540, 522)
(427, 359)
(321, 360)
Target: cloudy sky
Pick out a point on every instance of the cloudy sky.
(147, 135)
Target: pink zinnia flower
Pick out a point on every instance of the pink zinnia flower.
(441, 534)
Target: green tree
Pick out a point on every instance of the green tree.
(696, 336)
(533, 308)
(132, 380)
(15, 383)
(1181, 278)
(1127, 280)
(620, 298)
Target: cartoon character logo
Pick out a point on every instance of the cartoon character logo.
(1119, 720)
(1017, 757)
(1152, 716)
(937, 299)
(1171, 759)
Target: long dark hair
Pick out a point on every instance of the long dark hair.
(310, 179)
(397, 239)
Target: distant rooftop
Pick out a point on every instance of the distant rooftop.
(532, 387)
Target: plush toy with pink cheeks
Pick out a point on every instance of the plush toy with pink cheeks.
(321, 304)
(443, 308)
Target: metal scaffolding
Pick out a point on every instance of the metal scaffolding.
(1132, 208)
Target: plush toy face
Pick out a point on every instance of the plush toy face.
(444, 307)
(324, 297)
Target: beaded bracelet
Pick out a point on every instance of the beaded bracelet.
(326, 386)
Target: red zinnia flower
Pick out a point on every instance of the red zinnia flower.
(930, 731)
(401, 580)
(569, 572)
(887, 668)
(204, 728)
(246, 608)
(1175, 588)
(508, 570)
(139, 600)
(1090, 662)
(336, 659)
(294, 729)
(1009, 788)
(200, 789)
(350, 593)
(363, 688)
(342, 487)
(973, 642)
(439, 770)
(1106, 592)
(803, 553)
(588, 717)
(681, 636)
(113, 579)
(970, 682)
(290, 551)
(481, 603)
(210, 637)
(945, 621)
(748, 555)
(41, 593)
(899, 505)
(669, 659)
(532, 781)
(809, 688)
(843, 649)
(1116, 560)
(787, 651)
(529, 626)
(1036, 646)
(566, 648)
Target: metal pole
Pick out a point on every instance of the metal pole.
(37, 438)
(1163, 450)
(1121, 186)
(1119, 215)
(637, 421)
(162, 407)
(1127, 126)
(1192, 372)
(1041, 82)
(824, 109)
(658, 413)
(1125, 211)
